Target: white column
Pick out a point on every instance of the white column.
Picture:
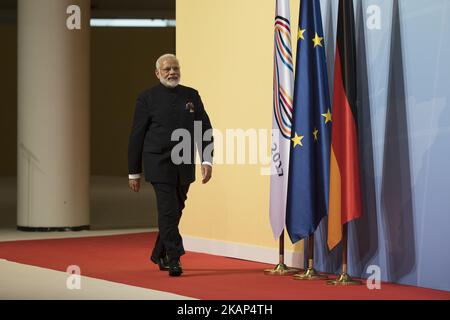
(53, 116)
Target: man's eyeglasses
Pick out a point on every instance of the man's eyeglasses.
(167, 69)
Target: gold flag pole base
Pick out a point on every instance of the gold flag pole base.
(280, 270)
(344, 280)
(310, 274)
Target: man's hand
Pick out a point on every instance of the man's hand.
(134, 184)
(206, 173)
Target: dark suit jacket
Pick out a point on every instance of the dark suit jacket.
(159, 111)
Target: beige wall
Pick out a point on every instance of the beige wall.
(122, 65)
(226, 51)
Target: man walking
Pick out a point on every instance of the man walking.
(159, 111)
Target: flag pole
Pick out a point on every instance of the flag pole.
(281, 269)
(310, 273)
(344, 278)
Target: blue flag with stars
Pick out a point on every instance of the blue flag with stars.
(308, 183)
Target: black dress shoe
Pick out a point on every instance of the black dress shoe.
(175, 269)
(163, 263)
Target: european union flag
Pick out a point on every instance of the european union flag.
(308, 184)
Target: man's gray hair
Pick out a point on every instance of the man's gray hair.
(164, 56)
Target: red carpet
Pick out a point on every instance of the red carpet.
(124, 259)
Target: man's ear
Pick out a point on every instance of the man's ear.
(157, 73)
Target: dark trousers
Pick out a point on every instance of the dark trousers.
(170, 200)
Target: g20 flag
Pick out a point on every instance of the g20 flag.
(283, 79)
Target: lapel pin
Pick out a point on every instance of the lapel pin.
(190, 106)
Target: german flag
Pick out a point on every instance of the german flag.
(345, 193)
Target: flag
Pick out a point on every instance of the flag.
(345, 192)
(283, 76)
(311, 128)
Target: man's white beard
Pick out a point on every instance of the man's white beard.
(169, 84)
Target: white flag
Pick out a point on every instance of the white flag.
(283, 88)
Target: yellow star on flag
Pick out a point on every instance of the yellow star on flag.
(300, 34)
(297, 140)
(327, 116)
(317, 41)
(316, 134)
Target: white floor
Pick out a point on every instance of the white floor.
(114, 209)
(20, 281)
(13, 235)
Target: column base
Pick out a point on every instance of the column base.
(53, 229)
